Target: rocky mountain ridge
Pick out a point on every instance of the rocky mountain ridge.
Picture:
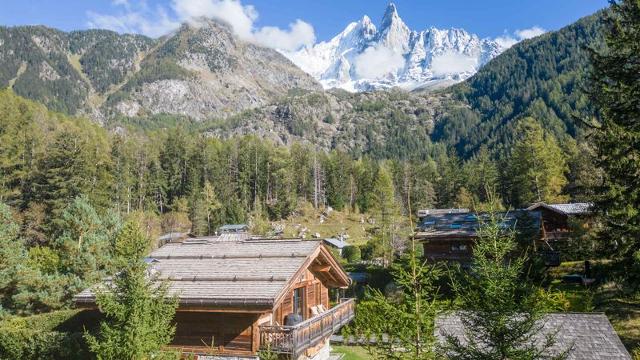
(202, 71)
(364, 57)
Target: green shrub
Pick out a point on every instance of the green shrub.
(55, 335)
(352, 254)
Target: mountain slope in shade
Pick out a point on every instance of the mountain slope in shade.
(545, 78)
(365, 57)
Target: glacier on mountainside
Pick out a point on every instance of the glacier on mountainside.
(364, 57)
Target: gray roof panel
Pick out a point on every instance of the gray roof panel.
(210, 272)
(590, 336)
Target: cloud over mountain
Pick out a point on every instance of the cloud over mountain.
(138, 17)
(365, 56)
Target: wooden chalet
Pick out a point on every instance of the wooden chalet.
(240, 295)
(449, 234)
(555, 225)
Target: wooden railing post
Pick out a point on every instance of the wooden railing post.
(294, 340)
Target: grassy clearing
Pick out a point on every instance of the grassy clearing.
(352, 352)
(623, 310)
(335, 222)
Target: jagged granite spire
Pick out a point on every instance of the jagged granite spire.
(406, 58)
(394, 33)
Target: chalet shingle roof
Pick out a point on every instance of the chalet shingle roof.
(574, 208)
(242, 272)
(590, 336)
(567, 209)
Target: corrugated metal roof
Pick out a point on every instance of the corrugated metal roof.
(589, 335)
(234, 227)
(227, 273)
(338, 243)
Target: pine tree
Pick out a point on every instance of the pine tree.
(536, 167)
(138, 309)
(403, 322)
(82, 241)
(616, 138)
(499, 312)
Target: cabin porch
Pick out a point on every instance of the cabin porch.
(295, 340)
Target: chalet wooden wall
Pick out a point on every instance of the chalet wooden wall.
(442, 250)
(231, 332)
(315, 293)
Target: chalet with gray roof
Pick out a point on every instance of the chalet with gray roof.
(450, 234)
(244, 294)
(587, 336)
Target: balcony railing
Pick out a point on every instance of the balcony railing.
(294, 340)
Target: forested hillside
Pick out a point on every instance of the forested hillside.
(544, 77)
(200, 71)
(208, 81)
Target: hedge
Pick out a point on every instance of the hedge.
(51, 336)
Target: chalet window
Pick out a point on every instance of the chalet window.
(459, 247)
(298, 302)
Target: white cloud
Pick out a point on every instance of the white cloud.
(508, 40)
(529, 33)
(299, 34)
(232, 12)
(451, 63)
(138, 18)
(375, 62)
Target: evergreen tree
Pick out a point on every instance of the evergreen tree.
(499, 312)
(83, 244)
(481, 174)
(24, 288)
(615, 91)
(138, 310)
(403, 322)
(20, 141)
(536, 167)
(12, 256)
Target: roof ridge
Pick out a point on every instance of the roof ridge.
(208, 257)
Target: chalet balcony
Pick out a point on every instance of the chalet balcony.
(294, 340)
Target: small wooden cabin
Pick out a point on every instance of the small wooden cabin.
(242, 295)
(449, 234)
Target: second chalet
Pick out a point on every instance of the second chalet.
(238, 296)
(450, 234)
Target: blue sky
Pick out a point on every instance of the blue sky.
(321, 18)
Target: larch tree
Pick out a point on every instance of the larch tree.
(536, 167)
(616, 136)
(386, 209)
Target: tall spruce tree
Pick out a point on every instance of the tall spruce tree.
(616, 92)
(137, 307)
(499, 312)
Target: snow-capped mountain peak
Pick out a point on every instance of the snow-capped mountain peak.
(365, 57)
